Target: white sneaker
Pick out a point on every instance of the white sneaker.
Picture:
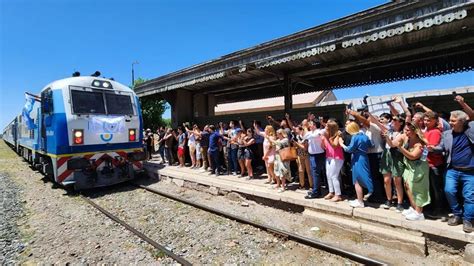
(408, 211)
(415, 216)
(234, 173)
(356, 204)
(367, 196)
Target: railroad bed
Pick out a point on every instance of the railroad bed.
(152, 215)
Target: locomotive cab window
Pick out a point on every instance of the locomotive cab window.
(47, 102)
(87, 102)
(118, 104)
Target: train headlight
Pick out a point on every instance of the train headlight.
(132, 136)
(102, 84)
(78, 136)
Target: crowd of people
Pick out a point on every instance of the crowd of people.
(414, 159)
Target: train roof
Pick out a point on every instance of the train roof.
(84, 81)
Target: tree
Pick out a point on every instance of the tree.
(153, 107)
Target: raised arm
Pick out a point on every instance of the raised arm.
(393, 110)
(422, 106)
(241, 125)
(374, 120)
(402, 104)
(358, 117)
(257, 130)
(465, 107)
(288, 120)
(272, 121)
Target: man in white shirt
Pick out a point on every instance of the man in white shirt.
(316, 157)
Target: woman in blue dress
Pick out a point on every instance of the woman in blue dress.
(359, 145)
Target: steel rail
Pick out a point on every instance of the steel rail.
(150, 241)
(297, 238)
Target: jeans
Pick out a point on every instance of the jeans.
(437, 184)
(463, 181)
(233, 163)
(161, 151)
(215, 160)
(317, 162)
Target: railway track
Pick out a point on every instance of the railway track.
(286, 234)
(282, 233)
(150, 241)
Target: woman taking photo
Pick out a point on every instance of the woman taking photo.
(334, 160)
(280, 168)
(245, 153)
(416, 174)
(361, 177)
(268, 151)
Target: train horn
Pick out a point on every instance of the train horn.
(96, 74)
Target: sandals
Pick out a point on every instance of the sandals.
(336, 199)
(329, 196)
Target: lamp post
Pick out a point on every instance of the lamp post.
(133, 74)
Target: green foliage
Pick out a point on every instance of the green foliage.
(153, 107)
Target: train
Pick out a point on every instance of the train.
(81, 132)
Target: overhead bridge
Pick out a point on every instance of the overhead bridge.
(396, 41)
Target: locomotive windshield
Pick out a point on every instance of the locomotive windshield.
(118, 104)
(87, 102)
(100, 102)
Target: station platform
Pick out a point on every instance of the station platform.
(319, 208)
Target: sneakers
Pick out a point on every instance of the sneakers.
(356, 204)
(249, 177)
(415, 216)
(311, 196)
(234, 173)
(280, 190)
(367, 196)
(408, 211)
(455, 220)
(386, 205)
(399, 208)
(467, 227)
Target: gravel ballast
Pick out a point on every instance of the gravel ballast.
(10, 210)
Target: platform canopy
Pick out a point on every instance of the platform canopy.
(394, 41)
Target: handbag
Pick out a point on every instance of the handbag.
(288, 154)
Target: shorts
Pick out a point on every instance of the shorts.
(180, 151)
(244, 154)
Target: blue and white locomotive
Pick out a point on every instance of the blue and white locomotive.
(83, 132)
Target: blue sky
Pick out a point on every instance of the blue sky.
(41, 41)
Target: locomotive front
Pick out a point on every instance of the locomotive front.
(94, 131)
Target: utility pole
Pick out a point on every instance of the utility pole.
(133, 74)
